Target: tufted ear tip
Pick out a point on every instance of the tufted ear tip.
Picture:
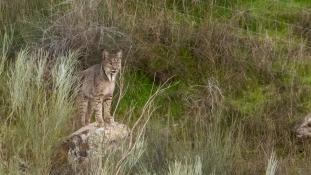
(119, 54)
(105, 54)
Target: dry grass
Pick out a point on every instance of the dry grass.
(303, 27)
(35, 120)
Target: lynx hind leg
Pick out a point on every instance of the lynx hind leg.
(97, 104)
(88, 114)
(107, 110)
(82, 103)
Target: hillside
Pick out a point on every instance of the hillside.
(211, 87)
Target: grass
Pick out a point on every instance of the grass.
(272, 165)
(250, 102)
(237, 71)
(35, 120)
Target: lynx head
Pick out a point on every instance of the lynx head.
(111, 64)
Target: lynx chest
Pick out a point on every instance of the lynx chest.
(104, 88)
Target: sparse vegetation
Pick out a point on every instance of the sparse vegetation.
(237, 72)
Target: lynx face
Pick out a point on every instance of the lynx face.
(111, 64)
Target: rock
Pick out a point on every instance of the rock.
(84, 148)
(303, 130)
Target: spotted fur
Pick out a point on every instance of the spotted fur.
(96, 90)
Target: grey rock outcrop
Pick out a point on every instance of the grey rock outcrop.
(303, 130)
(83, 149)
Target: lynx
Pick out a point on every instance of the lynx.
(96, 90)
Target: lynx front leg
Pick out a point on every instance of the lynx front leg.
(82, 103)
(98, 111)
(88, 114)
(107, 109)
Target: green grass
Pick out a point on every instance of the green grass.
(137, 91)
(250, 102)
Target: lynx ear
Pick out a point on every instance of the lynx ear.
(105, 55)
(119, 54)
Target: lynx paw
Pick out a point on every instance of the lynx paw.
(109, 120)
